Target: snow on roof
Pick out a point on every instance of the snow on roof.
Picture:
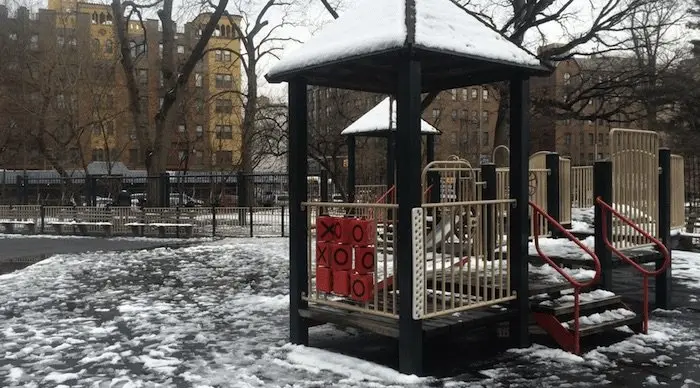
(375, 26)
(377, 120)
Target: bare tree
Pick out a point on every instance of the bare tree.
(154, 143)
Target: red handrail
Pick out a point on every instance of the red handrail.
(537, 212)
(427, 191)
(645, 272)
(383, 197)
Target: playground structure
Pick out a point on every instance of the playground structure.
(391, 266)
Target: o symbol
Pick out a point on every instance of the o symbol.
(357, 229)
(358, 288)
(344, 255)
(367, 256)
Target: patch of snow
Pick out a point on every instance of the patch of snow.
(377, 120)
(599, 318)
(583, 298)
(59, 378)
(562, 247)
(651, 380)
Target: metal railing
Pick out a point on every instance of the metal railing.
(537, 191)
(469, 267)
(582, 186)
(677, 192)
(635, 186)
(383, 300)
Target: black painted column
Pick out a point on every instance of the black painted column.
(433, 176)
(552, 164)
(408, 190)
(297, 166)
(391, 159)
(664, 280)
(602, 187)
(519, 221)
(352, 168)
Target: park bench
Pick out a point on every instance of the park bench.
(19, 215)
(84, 219)
(162, 220)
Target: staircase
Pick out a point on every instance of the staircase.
(569, 315)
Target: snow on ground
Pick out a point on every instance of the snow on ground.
(216, 314)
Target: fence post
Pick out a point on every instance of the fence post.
(602, 187)
(552, 164)
(664, 280)
(19, 184)
(250, 208)
(488, 174)
(213, 221)
(282, 221)
(42, 214)
(164, 186)
(323, 181)
(242, 189)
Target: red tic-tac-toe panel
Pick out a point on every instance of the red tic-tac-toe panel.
(341, 283)
(364, 259)
(328, 228)
(324, 279)
(346, 224)
(324, 253)
(341, 257)
(361, 287)
(362, 232)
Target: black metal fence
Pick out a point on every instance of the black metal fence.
(237, 189)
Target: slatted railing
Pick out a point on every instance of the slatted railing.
(471, 267)
(582, 186)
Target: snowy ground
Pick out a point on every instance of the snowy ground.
(216, 315)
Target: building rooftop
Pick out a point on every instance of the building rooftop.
(376, 122)
(435, 31)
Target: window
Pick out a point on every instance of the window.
(13, 36)
(474, 93)
(198, 80)
(143, 76)
(475, 116)
(199, 131)
(600, 138)
(485, 94)
(199, 105)
(485, 116)
(454, 114)
(34, 42)
(582, 157)
(73, 42)
(181, 128)
(224, 106)
(567, 79)
(436, 113)
(463, 114)
(160, 50)
(109, 47)
(464, 94)
(180, 49)
(60, 101)
(98, 155)
(484, 138)
(600, 156)
(133, 156)
(567, 138)
(580, 138)
(199, 156)
(224, 132)
(591, 156)
(227, 56)
(454, 94)
(60, 40)
(182, 155)
(591, 139)
(96, 45)
(224, 81)
(218, 55)
(224, 157)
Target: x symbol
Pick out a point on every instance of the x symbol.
(328, 229)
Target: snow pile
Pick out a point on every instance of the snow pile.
(600, 318)
(377, 120)
(563, 247)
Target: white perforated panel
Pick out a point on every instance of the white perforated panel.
(417, 232)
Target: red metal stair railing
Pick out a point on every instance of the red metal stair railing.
(645, 272)
(547, 321)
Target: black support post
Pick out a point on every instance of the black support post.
(298, 243)
(519, 221)
(391, 159)
(19, 184)
(242, 190)
(433, 176)
(164, 186)
(602, 188)
(352, 166)
(323, 182)
(552, 164)
(408, 190)
(488, 175)
(663, 281)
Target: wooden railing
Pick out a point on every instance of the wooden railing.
(469, 265)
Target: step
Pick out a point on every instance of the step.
(599, 322)
(564, 304)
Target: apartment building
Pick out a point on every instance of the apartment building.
(75, 41)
